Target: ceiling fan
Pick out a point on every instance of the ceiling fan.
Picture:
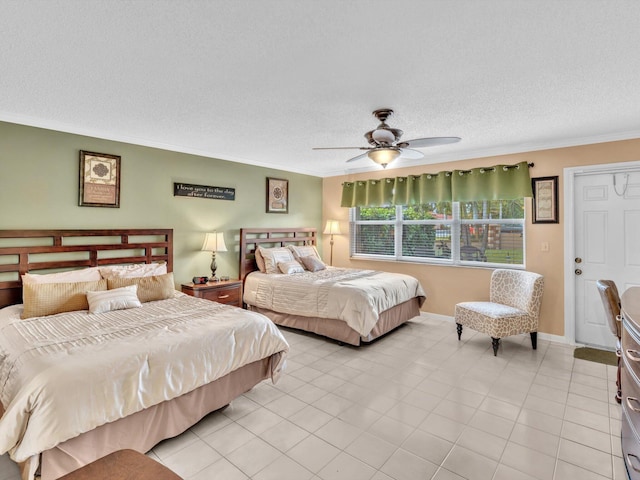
(386, 145)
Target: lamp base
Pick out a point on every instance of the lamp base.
(213, 267)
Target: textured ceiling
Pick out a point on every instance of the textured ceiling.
(262, 82)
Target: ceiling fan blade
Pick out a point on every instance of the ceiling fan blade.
(410, 154)
(429, 142)
(359, 157)
(340, 148)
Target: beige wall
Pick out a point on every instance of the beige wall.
(39, 189)
(447, 286)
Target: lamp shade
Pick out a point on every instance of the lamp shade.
(332, 227)
(214, 242)
(383, 155)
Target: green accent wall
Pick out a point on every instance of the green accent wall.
(39, 187)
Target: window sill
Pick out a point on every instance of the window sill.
(437, 262)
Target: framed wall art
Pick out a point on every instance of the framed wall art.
(99, 180)
(545, 199)
(277, 195)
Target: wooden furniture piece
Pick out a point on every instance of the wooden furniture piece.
(123, 465)
(46, 249)
(630, 381)
(611, 303)
(252, 238)
(513, 307)
(228, 292)
(23, 251)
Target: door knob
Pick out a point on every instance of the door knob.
(578, 260)
(578, 271)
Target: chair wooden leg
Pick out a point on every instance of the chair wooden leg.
(495, 342)
(619, 390)
(459, 328)
(534, 340)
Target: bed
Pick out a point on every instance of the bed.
(348, 305)
(165, 364)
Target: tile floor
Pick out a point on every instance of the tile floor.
(416, 404)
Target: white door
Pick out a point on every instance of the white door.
(607, 247)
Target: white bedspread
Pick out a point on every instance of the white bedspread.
(65, 374)
(354, 296)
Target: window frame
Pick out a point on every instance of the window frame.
(455, 223)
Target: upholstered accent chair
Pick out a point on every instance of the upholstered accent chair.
(513, 307)
(611, 302)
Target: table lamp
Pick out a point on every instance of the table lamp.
(214, 242)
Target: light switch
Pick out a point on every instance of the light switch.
(545, 246)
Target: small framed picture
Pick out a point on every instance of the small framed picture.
(545, 199)
(99, 180)
(277, 195)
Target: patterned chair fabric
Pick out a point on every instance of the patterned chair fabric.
(513, 307)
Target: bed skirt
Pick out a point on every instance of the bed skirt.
(143, 430)
(338, 329)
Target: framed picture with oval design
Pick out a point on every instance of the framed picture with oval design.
(545, 199)
(277, 195)
(99, 180)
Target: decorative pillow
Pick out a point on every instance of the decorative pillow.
(260, 261)
(42, 299)
(134, 271)
(91, 274)
(116, 299)
(159, 287)
(304, 251)
(290, 267)
(272, 256)
(313, 264)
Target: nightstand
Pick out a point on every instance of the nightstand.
(228, 292)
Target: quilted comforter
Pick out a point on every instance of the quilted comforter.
(65, 374)
(352, 295)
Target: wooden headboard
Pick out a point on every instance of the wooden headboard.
(23, 251)
(252, 238)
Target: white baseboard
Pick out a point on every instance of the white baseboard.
(542, 336)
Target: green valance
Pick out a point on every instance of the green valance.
(500, 182)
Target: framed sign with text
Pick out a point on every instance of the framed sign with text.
(545, 199)
(99, 180)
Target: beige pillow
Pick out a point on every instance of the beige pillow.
(135, 270)
(274, 255)
(91, 274)
(159, 287)
(260, 261)
(42, 299)
(313, 264)
(304, 251)
(290, 267)
(116, 299)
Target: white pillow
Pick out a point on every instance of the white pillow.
(91, 274)
(116, 299)
(290, 267)
(134, 271)
(304, 251)
(272, 256)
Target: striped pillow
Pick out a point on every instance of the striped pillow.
(116, 299)
(42, 299)
(158, 287)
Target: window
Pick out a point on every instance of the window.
(490, 231)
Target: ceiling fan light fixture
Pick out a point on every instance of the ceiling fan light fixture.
(383, 156)
(382, 135)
